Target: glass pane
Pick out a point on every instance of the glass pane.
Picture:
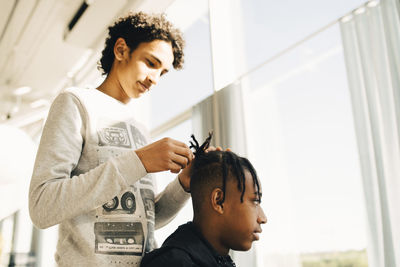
(181, 133)
(271, 26)
(301, 139)
(179, 90)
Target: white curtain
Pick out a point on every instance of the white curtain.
(371, 41)
(223, 113)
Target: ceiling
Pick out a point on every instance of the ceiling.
(37, 49)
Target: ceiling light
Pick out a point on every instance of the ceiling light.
(372, 3)
(22, 90)
(39, 103)
(360, 10)
(346, 18)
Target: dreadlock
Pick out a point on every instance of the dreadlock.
(209, 168)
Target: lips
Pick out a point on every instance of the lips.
(144, 87)
(256, 234)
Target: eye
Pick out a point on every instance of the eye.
(150, 63)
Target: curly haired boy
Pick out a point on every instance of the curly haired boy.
(94, 170)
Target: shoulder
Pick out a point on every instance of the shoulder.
(67, 98)
(82, 99)
(82, 95)
(65, 105)
(167, 256)
(77, 92)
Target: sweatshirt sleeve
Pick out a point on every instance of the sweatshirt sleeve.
(169, 202)
(55, 195)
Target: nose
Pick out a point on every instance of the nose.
(261, 219)
(154, 77)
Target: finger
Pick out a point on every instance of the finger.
(174, 168)
(179, 143)
(213, 148)
(210, 148)
(185, 152)
(180, 160)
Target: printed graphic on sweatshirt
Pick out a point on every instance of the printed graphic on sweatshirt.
(151, 241)
(146, 181)
(126, 204)
(137, 137)
(148, 200)
(114, 139)
(122, 223)
(119, 228)
(119, 238)
(116, 135)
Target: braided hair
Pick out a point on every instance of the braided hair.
(212, 169)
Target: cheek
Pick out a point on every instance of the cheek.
(132, 72)
(245, 219)
(125, 74)
(141, 70)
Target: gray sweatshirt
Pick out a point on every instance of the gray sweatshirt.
(88, 179)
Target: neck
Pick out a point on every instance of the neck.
(209, 228)
(113, 88)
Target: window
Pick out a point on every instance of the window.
(272, 26)
(302, 142)
(179, 90)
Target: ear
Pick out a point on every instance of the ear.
(121, 49)
(216, 200)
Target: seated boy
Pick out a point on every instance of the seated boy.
(226, 196)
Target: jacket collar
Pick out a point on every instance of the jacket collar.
(188, 238)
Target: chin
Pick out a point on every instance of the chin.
(243, 247)
(135, 95)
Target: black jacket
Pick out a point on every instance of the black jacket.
(186, 247)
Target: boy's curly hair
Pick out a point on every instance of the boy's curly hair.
(140, 27)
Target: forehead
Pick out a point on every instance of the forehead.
(250, 185)
(160, 49)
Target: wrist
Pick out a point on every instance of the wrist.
(185, 188)
(141, 158)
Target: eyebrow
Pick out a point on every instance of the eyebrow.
(156, 58)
